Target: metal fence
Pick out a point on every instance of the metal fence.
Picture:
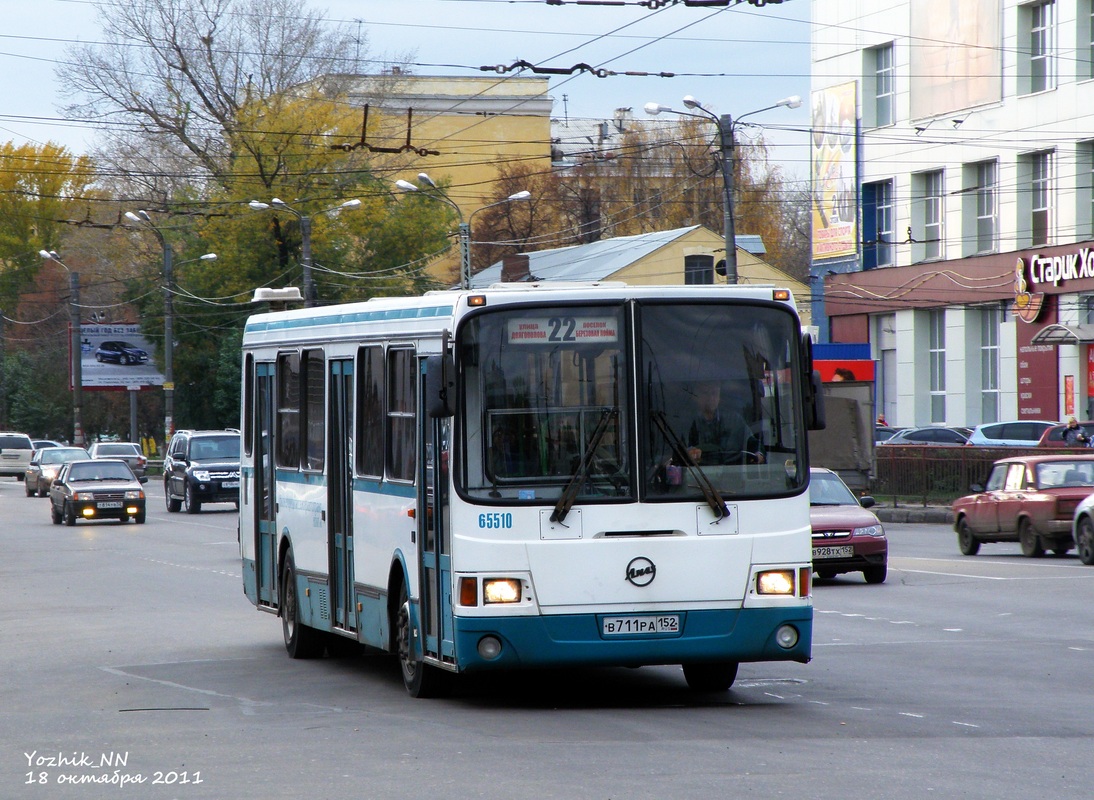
(921, 474)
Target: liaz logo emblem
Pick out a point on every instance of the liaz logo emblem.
(641, 571)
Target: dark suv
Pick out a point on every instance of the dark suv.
(201, 467)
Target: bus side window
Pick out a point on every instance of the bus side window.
(288, 410)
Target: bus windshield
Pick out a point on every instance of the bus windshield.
(546, 397)
(718, 388)
(557, 403)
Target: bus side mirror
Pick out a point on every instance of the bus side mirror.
(815, 419)
(438, 385)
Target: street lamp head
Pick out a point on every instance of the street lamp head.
(277, 201)
(49, 255)
(428, 181)
(794, 101)
(653, 109)
(257, 206)
(144, 215)
(406, 186)
(354, 203)
(691, 102)
(208, 257)
(129, 215)
(522, 195)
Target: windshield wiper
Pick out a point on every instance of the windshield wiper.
(569, 494)
(680, 453)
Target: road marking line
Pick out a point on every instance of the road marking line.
(956, 575)
(965, 724)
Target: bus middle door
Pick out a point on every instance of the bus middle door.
(340, 493)
(433, 550)
(264, 498)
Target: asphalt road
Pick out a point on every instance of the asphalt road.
(130, 654)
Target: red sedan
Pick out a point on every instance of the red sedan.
(1028, 499)
(847, 537)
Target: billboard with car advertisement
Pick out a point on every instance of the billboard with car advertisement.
(117, 357)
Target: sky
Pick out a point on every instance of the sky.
(734, 60)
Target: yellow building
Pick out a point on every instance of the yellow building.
(681, 256)
(460, 128)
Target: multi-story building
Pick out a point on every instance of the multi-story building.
(953, 182)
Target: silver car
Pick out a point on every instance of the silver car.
(128, 452)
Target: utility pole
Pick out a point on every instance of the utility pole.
(77, 359)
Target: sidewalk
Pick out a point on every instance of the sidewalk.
(942, 515)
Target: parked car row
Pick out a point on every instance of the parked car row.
(1020, 433)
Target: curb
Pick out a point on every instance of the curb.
(941, 515)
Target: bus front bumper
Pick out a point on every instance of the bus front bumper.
(741, 635)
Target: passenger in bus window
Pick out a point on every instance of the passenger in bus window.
(716, 435)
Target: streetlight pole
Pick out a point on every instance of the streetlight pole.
(727, 148)
(311, 293)
(464, 230)
(74, 345)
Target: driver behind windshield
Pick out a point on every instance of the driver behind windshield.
(718, 435)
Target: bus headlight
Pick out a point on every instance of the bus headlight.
(779, 581)
(500, 590)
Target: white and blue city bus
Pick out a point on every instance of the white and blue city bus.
(500, 479)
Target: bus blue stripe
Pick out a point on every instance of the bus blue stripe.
(359, 484)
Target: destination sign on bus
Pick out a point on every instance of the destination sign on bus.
(563, 330)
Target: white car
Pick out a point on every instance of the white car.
(1082, 529)
(15, 452)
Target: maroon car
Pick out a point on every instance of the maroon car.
(847, 537)
(1028, 499)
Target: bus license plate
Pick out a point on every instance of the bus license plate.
(843, 551)
(230, 485)
(109, 504)
(626, 626)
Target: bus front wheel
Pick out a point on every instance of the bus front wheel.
(710, 677)
(300, 640)
(420, 679)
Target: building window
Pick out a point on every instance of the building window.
(884, 113)
(990, 320)
(927, 216)
(1041, 198)
(1084, 190)
(1040, 38)
(1084, 40)
(698, 270)
(987, 187)
(877, 223)
(1086, 309)
(878, 93)
(938, 364)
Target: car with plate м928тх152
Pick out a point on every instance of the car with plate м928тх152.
(96, 489)
(847, 536)
(1028, 499)
(201, 467)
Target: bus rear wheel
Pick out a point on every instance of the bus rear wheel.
(300, 640)
(710, 677)
(420, 679)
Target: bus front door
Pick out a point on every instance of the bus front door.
(340, 493)
(264, 500)
(436, 560)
